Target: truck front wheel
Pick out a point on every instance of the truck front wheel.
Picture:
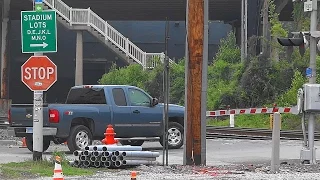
(175, 136)
(29, 143)
(80, 137)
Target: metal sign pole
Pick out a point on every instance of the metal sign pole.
(312, 80)
(37, 125)
(37, 119)
(186, 150)
(166, 97)
(167, 88)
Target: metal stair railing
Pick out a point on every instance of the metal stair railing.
(75, 16)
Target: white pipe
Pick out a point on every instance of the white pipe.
(77, 153)
(118, 163)
(93, 158)
(107, 153)
(103, 159)
(86, 163)
(139, 153)
(97, 153)
(97, 164)
(77, 163)
(87, 153)
(83, 158)
(107, 164)
(113, 148)
(140, 158)
(138, 162)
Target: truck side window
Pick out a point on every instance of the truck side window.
(119, 97)
(86, 96)
(138, 98)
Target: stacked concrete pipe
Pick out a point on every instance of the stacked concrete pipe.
(112, 156)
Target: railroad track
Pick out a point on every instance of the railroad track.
(254, 134)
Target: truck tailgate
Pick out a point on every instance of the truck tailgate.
(22, 115)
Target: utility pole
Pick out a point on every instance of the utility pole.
(312, 80)
(195, 37)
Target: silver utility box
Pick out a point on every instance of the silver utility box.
(311, 97)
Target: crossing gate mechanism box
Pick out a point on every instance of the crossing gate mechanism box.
(311, 97)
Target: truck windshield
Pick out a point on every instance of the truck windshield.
(86, 96)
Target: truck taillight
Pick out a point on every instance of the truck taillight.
(9, 116)
(54, 116)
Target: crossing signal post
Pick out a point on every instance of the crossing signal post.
(300, 41)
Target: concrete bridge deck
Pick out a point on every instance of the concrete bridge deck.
(158, 10)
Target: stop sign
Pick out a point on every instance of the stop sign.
(39, 73)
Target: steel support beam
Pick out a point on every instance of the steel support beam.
(5, 25)
(280, 4)
(79, 59)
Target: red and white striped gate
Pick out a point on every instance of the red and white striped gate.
(290, 110)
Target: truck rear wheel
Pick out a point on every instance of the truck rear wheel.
(80, 137)
(175, 136)
(29, 143)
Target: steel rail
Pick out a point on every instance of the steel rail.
(253, 133)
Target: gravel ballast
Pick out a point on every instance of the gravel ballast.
(290, 170)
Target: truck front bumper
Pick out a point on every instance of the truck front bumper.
(24, 131)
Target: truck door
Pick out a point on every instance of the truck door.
(121, 114)
(146, 120)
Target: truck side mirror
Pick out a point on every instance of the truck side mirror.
(154, 101)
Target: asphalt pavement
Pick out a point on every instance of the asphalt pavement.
(226, 159)
(219, 151)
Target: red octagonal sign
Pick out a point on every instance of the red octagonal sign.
(39, 73)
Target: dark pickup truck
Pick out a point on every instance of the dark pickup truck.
(134, 114)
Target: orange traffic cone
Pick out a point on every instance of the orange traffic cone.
(24, 144)
(133, 175)
(57, 172)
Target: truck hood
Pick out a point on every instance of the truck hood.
(174, 110)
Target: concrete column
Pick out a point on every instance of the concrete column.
(79, 59)
(5, 24)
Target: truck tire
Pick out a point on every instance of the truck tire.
(80, 137)
(29, 143)
(175, 135)
(132, 142)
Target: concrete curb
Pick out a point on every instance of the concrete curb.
(8, 142)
